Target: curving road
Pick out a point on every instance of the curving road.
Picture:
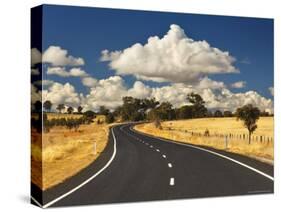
(138, 167)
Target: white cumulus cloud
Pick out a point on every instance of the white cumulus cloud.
(239, 84)
(206, 83)
(35, 94)
(44, 82)
(215, 97)
(61, 71)
(110, 91)
(59, 93)
(107, 92)
(139, 90)
(173, 58)
(36, 56)
(271, 90)
(89, 81)
(57, 56)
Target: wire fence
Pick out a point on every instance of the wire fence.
(227, 137)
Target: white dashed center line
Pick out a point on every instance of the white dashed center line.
(172, 181)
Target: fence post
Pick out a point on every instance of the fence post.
(267, 140)
(95, 147)
(226, 142)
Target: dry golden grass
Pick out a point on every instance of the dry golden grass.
(181, 131)
(62, 153)
(63, 115)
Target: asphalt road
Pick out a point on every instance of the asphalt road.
(136, 167)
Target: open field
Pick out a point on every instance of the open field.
(65, 152)
(192, 131)
(63, 115)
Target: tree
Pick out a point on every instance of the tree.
(109, 118)
(149, 103)
(38, 106)
(47, 105)
(131, 109)
(249, 115)
(103, 110)
(89, 116)
(227, 113)
(164, 111)
(70, 110)
(264, 113)
(195, 99)
(36, 121)
(184, 112)
(218, 113)
(79, 109)
(60, 107)
(199, 109)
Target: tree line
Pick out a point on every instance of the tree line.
(43, 123)
(134, 109)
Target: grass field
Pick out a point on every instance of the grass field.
(181, 131)
(63, 115)
(65, 152)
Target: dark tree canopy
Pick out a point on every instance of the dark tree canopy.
(218, 113)
(47, 105)
(60, 107)
(79, 109)
(132, 109)
(195, 99)
(89, 116)
(164, 111)
(109, 118)
(227, 113)
(38, 106)
(249, 115)
(199, 110)
(70, 110)
(149, 103)
(184, 112)
(103, 110)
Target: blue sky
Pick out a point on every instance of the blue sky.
(86, 32)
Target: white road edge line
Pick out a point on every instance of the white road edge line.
(170, 165)
(214, 153)
(86, 181)
(38, 203)
(157, 150)
(172, 181)
(164, 156)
